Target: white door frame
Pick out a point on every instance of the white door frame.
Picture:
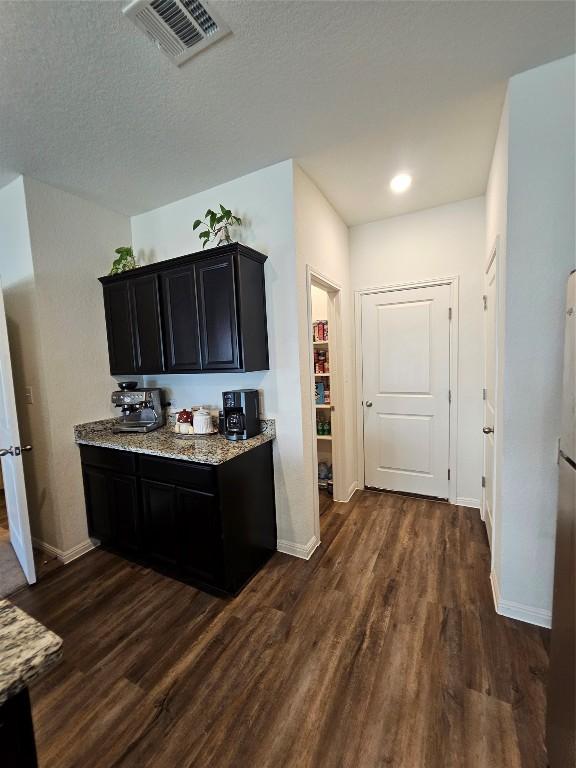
(453, 283)
(334, 318)
(493, 256)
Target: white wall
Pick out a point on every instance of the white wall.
(53, 247)
(319, 301)
(73, 244)
(539, 254)
(264, 200)
(439, 242)
(322, 243)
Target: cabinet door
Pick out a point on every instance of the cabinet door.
(119, 328)
(124, 512)
(159, 522)
(145, 306)
(98, 503)
(217, 313)
(200, 538)
(181, 334)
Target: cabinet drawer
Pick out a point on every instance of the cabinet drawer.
(182, 473)
(109, 458)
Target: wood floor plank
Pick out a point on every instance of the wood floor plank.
(382, 650)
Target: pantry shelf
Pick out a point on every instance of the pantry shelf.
(322, 405)
(324, 437)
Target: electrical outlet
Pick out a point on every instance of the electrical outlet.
(28, 398)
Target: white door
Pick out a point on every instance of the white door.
(406, 384)
(490, 305)
(12, 470)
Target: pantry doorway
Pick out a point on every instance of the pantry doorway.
(325, 336)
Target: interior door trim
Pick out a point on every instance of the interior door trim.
(454, 283)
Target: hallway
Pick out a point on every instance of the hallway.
(383, 649)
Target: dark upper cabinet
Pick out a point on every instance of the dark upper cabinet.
(181, 333)
(147, 330)
(132, 309)
(217, 309)
(202, 312)
(119, 327)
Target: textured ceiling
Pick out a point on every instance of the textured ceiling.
(354, 90)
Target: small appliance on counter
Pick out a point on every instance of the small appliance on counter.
(241, 414)
(141, 408)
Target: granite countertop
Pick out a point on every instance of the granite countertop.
(27, 650)
(203, 449)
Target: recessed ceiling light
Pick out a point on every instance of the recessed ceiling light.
(400, 183)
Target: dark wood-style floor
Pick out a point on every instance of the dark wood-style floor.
(382, 650)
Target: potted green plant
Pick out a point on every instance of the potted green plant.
(216, 226)
(124, 261)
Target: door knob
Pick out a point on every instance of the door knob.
(26, 448)
(6, 451)
(368, 403)
(488, 430)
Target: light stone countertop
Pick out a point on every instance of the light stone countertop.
(203, 449)
(27, 650)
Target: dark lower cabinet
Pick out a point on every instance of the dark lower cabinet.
(213, 526)
(160, 522)
(17, 745)
(200, 550)
(111, 507)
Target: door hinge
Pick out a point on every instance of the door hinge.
(485, 301)
(449, 313)
(483, 482)
(484, 394)
(449, 395)
(448, 474)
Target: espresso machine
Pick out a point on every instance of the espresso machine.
(141, 408)
(241, 414)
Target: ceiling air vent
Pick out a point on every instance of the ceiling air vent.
(180, 28)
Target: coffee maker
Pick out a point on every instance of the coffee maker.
(141, 408)
(241, 414)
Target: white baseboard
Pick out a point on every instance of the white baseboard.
(462, 501)
(527, 613)
(65, 556)
(350, 492)
(304, 551)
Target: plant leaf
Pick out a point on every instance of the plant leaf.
(208, 213)
(196, 224)
(222, 208)
(204, 234)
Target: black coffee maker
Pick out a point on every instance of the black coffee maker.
(241, 414)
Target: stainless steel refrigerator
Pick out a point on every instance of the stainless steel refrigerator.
(561, 715)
